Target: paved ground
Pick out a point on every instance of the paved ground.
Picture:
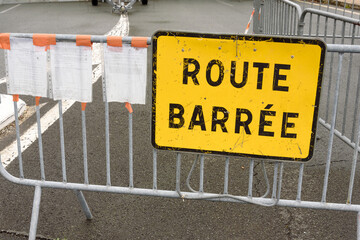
(138, 217)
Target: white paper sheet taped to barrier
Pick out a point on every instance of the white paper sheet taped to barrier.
(27, 68)
(125, 74)
(71, 71)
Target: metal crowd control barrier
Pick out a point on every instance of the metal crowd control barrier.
(271, 196)
(339, 111)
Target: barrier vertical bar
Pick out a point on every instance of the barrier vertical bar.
(21, 171)
(131, 157)
(201, 185)
(35, 213)
(42, 167)
(310, 24)
(325, 30)
(330, 74)
(62, 144)
(251, 177)
(83, 125)
(280, 180)
(272, 14)
(353, 165)
(281, 16)
(294, 21)
(154, 168)
(348, 86)
(332, 129)
(300, 180)
(178, 171)
(256, 22)
(226, 175)
(276, 166)
(317, 25)
(352, 8)
(356, 104)
(107, 144)
(291, 21)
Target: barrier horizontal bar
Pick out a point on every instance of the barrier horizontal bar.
(175, 194)
(72, 38)
(330, 15)
(343, 48)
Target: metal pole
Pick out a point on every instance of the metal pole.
(154, 169)
(301, 173)
(107, 144)
(62, 144)
(35, 213)
(178, 171)
(18, 140)
(251, 177)
(83, 117)
(226, 176)
(331, 138)
(201, 185)
(256, 23)
(131, 157)
(83, 203)
(42, 167)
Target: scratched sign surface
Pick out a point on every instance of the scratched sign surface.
(236, 95)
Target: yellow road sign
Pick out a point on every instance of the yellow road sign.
(236, 95)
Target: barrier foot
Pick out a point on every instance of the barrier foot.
(35, 213)
(83, 203)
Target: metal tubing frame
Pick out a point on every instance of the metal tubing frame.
(271, 201)
(258, 26)
(174, 194)
(324, 14)
(72, 38)
(35, 212)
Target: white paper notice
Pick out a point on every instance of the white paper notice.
(71, 71)
(27, 68)
(125, 74)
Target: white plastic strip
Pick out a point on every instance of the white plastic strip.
(71, 72)
(27, 68)
(125, 74)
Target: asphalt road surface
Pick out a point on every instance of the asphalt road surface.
(140, 217)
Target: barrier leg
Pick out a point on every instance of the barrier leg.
(83, 203)
(35, 213)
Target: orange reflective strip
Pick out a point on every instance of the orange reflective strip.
(43, 40)
(128, 107)
(5, 41)
(114, 41)
(83, 40)
(37, 101)
(140, 42)
(15, 98)
(83, 106)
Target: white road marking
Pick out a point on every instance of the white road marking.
(31, 135)
(225, 3)
(6, 10)
(2, 80)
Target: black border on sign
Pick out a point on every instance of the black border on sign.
(309, 41)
